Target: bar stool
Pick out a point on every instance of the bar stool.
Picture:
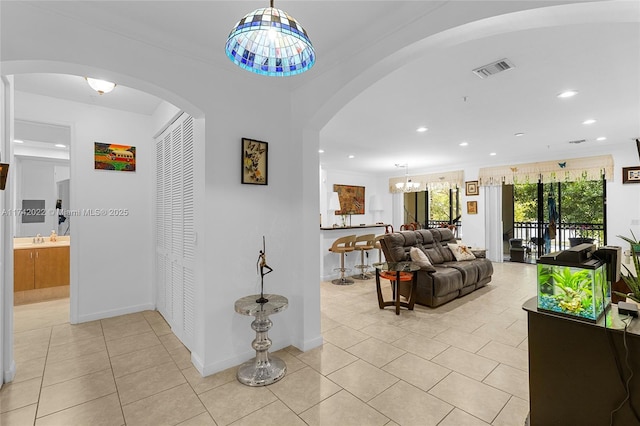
(343, 246)
(362, 244)
(378, 246)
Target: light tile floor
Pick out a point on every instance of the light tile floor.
(464, 363)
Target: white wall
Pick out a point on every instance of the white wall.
(100, 242)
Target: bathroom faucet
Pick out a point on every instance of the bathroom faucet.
(38, 239)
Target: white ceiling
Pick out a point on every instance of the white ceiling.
(601, 60)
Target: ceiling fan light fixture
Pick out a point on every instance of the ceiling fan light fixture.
(270, 42)
(100, 86)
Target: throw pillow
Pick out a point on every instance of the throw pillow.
(418, 256)
(461, 252)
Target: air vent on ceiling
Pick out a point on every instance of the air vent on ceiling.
(578, 141)
(493, 68)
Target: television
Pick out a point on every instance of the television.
(4, 171)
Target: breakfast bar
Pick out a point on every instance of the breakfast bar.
(330, 261)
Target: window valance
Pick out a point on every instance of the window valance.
(569, 170)
(432, 181)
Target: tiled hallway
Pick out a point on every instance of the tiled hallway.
(464, 363)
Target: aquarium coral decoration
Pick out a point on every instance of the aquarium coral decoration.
(574, 290)
(632, 282)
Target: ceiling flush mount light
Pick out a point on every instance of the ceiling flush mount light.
(493, 154)
(407, 185)
(589, 121)
(18, 141)
(601, 138)
(518, 134)
(59, 145)
(321, 151)
(352, 156)
(463, 143)
(567, 94)
(421, 129)
(100, 86)
(269, 42)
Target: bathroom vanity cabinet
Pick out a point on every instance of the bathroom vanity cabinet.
(42, 267)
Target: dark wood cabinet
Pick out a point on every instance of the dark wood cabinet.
(575, 369)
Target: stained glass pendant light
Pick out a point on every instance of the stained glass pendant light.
(268, 41)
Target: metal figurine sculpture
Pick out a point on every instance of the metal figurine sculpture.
(261, 266)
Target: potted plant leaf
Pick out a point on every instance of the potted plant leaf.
(632, 281)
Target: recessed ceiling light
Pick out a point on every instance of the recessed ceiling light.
(59, 145)
(421, 129)
(493, 153)
(589, 121)
(352, 156)
(518, 134)
(464, 143)
(18, 141)
(567, 94)
(321, 151)
(601, 138)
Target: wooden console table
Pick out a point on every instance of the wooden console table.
(573, 373)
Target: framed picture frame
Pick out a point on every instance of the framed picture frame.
(631, 174)
(472, 207)
(471, 188)
(351, 199)
(111, 156)
(255, 164)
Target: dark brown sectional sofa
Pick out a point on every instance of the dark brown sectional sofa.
(450, 278)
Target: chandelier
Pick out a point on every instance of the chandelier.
(270, 42)
(407, 185)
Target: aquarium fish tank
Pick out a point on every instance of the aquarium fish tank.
(579, 291)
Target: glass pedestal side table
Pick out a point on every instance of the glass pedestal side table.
(396, 272)
(264, 369)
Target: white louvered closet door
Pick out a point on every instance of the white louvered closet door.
(175, 227)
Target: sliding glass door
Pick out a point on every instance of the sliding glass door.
(554, 216)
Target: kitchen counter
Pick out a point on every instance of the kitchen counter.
(334, 228)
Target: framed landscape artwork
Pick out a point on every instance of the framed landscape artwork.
(471, 188)
(472, 207)
(255, 155)
(110, 156)
(351, 199)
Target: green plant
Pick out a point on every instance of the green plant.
(574, 289)
(633, 282)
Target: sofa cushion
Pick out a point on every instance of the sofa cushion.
(434, 255)
(468, 270)
(419, 257)
(446, 254)
(485, 268)
(446, 280)
(395, 246)
(460, 252)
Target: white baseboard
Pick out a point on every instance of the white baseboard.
(116, 312)
(10, 373)
(309, 344)
(236, 360)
